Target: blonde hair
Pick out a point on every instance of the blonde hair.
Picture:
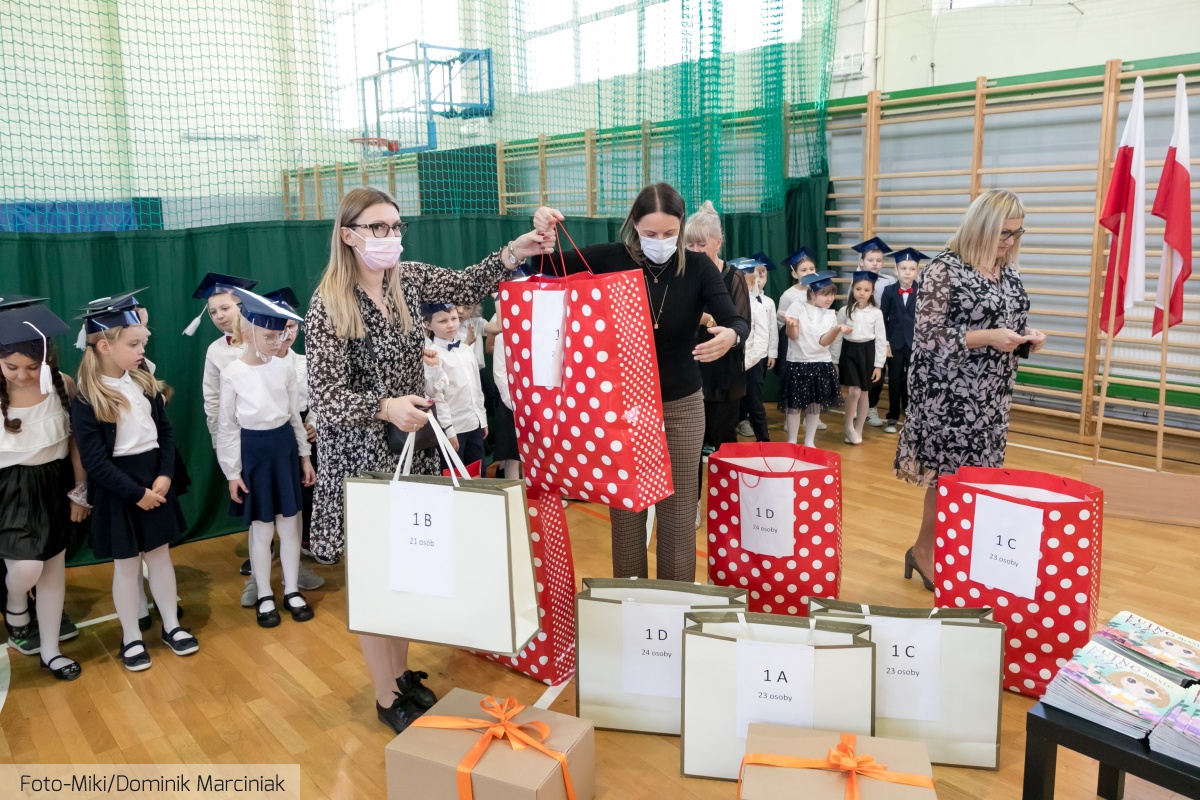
(107, 402)
(341, 273)
(704, 226)
(978, 236)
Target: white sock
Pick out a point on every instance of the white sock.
(51, 591)
(793, 426)
(289, 553)
(261, 534)
(163, 586)
(127, 574)
(810, 428)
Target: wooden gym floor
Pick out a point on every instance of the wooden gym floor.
(300, 693)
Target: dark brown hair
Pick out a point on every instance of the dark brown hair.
(33, 351)
(662, 198)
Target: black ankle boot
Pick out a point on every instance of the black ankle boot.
(398, 716)
(415, 692)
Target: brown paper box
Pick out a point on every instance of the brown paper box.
(772, 783)
(422, 762)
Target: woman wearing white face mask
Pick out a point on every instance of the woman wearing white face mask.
(681, 286)
(365, 368)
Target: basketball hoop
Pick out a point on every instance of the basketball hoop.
(391, 145)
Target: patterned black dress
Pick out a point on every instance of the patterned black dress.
(959, 398)
(348, 377)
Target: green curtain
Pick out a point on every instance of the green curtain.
(71, 269)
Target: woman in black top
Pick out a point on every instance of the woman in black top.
(681, 286)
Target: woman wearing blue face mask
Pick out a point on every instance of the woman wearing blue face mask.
(681, 286)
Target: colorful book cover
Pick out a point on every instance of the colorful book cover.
(1185, 717)
(1122, 683)
(1155, 642)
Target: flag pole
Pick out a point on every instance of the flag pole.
(1108, 348)
(1162, 393)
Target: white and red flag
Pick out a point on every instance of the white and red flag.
(1124, 215)
(1173, 203)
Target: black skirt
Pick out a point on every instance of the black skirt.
(504, 445)
(271, 472)
(857, 363)
(808, 382)
(122, 530)
(35, 514)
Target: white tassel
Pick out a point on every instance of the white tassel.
(194, 325)
(81, 339)
(45, 380)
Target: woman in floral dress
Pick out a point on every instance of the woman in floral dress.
(970, 331)
(364, 342)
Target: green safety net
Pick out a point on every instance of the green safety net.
(123, 115)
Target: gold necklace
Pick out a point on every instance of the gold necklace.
(656, 275)
(662, 303)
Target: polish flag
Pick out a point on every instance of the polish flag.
(1124, 215)
(1173, 203)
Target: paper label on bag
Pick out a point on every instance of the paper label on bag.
(774, 684)
(421, 552)
(546, 339)
(652, 648)
(1006, 544)
(908, 668)
(768, 508)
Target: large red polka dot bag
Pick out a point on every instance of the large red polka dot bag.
(1026, 544)
(775, 523)
(550, 657)
(583, 374)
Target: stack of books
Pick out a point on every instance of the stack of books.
(1174, 657)
(1178, 735)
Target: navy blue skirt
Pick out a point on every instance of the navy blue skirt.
(271, 472)
(807, 382)
(122, 530)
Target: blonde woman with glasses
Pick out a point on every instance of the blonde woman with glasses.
(971, 328)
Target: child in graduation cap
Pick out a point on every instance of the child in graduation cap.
(761, 344)
(127, 447)
(264, 451)
(800, 263)
(860, 353)
(899, 308)
(39, 464)
(870, 259)
(809, 380)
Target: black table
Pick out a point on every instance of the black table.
(1046, 728)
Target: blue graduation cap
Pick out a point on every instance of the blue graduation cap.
(864, 275)
(429, 309)
(874, 243)
(818, 280)
(762, 258)
(215, 283)
(746, 264)
(803, 254)
(11, 301)
(105, 313)
(285, 297)
(28, 324)
(909, 254)
(262, 313)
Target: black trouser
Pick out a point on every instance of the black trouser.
(877, 387)
(898, 383)
(752, 403)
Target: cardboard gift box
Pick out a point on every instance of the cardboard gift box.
(620, 683)
(821, 765)
(938, 677)
(423, 762)
(745, 668)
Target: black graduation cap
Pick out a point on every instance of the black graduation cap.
(284, 297)
(746, 264)
(874, 243)
(818, 280)
(32, 323)
(429, 309)
(864, 275)
(105, 313)
(10, 301)
(909, 254)
(762, 257)
(803, 254)
(123, 300)
(263, 313)
(215, 283)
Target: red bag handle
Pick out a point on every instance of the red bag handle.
(559, 225)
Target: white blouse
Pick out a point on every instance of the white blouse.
(500, 372)
(219, 356)
(477, 325)
(814, 323)
(257, 398)
(136, 431)
(299, 362)
(43, 438)
(868, 326)
(789, 296)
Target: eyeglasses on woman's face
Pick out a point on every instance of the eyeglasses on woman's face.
(381, 229)
(1011, 236)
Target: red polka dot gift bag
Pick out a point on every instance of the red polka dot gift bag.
(583, 373)
(775, 523)
(1026, 544)
(550, 656)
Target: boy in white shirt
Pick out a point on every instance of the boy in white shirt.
(870, 259)
(463, 394)
(762, 343)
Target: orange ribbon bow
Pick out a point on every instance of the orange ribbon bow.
(500, 728)
(839, 758)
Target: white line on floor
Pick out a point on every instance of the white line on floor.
(1073, 455)
(5, 671)
(551, 694)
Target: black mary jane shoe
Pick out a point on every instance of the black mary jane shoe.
(135, 663)
(145, 623)
(69, 672)
(300, 613)
(417, 694)
(182, 646)
(398, 716)
(266, 619)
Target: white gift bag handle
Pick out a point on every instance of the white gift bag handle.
(404, 462)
